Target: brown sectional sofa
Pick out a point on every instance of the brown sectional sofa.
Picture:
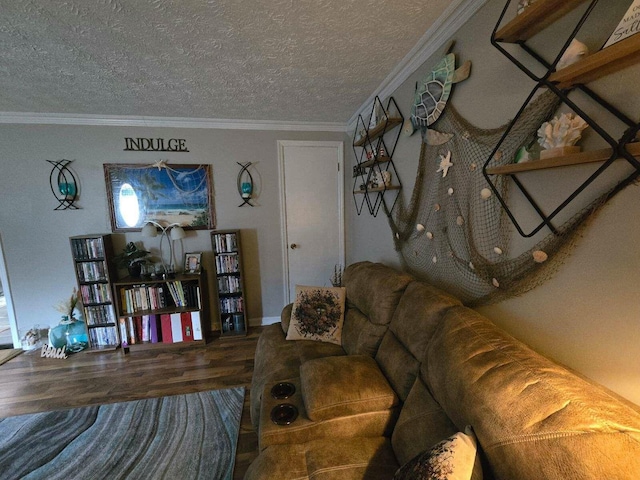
(416, 366)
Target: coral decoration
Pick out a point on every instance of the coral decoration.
(563, 131)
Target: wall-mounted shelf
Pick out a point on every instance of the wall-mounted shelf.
(534, 19)
(376, 132)
(378, 189)
(599, 64)
(620, 55)
(592, 156)
(374, 158)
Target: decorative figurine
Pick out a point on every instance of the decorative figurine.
(559, 136)
(575, 51)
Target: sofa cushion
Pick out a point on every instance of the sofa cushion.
(326, 459)
(374, 289)
(422, 424)
(419, 312)
(318, 314)
(455, 458)
(342, 386)
(359, 335)
(532, 417)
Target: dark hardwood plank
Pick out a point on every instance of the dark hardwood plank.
(30, 384)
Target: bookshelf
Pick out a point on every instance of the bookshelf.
(227, 252)
(159, 312)
(95, 273)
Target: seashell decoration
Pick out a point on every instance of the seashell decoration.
(429, 235)
(485, 193)
(574, 52)
(524, 4)
(450, 191)
(562, 131)
(495, 282)
(497, 250)
(434, 259)
(460, 220)
(436, 207)
(472, 266)
(420, 227)
(539, 256)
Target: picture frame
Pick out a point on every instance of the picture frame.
(163, 193)
(193, 262)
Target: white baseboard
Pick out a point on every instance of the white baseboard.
(258, 322)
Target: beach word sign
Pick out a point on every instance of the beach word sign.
(141, 144)
(51, 352)
(629, 25)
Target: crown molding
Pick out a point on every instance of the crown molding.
(166, 122)
(453, 18)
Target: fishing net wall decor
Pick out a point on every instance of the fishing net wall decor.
(454, 232)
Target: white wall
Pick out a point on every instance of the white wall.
(35, 237)
(588, 315)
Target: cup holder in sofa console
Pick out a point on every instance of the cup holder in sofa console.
(284, 414)
(283, 390)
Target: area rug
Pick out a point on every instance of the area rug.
(8, 354)
(189, 436)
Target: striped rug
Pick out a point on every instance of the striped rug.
(191, 436)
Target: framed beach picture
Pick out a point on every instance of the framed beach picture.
(167, 194)
(192, 262)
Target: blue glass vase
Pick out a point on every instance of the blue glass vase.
(70, 333)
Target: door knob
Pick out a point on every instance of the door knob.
(293, 246)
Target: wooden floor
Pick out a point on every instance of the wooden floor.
(29, 383)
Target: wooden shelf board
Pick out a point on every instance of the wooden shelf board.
(375, 190)
(373, 161)
(149, 345)
(564, 161)
(599, 64)
(379, 130)
(101, 348)
(535, 19)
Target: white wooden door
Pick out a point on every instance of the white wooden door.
(312, 212)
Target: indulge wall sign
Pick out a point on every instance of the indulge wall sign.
(141, 144)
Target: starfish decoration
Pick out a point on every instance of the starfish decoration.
(445, 163)
(160, 164)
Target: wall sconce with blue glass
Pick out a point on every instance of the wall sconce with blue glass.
(64, 185)
(245, 184)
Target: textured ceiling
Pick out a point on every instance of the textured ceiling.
(287, 60)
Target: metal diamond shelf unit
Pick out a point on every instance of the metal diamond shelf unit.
(373, 156)
(562, 83)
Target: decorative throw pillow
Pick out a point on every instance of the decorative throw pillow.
(318, 314)
(454, 458)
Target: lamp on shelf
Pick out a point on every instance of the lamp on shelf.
(173, 232)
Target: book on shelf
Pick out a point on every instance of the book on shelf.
(225, 242)
(187, 328)
(87, 248)
(103, 337)
(155, 333)
(197, 327)
(165, 323)
(176, 327)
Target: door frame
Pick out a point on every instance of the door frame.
(6, 286)
(282, 144)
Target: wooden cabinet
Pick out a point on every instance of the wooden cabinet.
(95, 273)
(374, 158)
(563, 83)
(158, 312)
(227, 253)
